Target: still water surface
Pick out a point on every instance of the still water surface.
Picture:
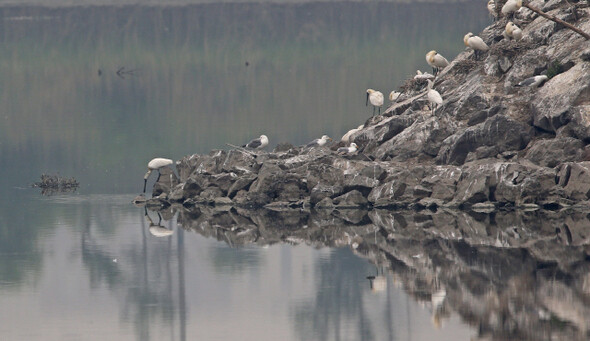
(95, 92)
(85, 267)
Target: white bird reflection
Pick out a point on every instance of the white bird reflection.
(157, 230)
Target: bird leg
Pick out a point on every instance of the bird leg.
(145, 177)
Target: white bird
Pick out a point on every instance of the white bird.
(379, 284)
(394, 95)
(492, 9)
(423, 75)
(475, 42)
(258, 143)
(319, 142)
(512, 31)
(160, 231)
(376, 99)
(348, 150)
(346, 137)
(436, 61)
(434, 97)
(156, 164)
(533, 82)
(511, 6)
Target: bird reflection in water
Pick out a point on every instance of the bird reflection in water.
(378, 283)
(157, 230)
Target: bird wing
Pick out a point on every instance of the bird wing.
(314, 143)
(435, 96)
(254, 143)
(527, 82)
(343, 150)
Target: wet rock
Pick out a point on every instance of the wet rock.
(352, 199)
(241, 183)
(319, 192)
(575, 180)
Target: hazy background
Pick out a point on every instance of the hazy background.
(308, 68)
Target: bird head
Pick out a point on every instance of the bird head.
(466, 38)
(353, 145)
(430, 56)
(369, 92)
(509, 27)
(263, 138)
(326, 138)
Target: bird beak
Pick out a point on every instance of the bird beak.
(367, 101)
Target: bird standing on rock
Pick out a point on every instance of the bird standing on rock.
(476, 43)
(434, 97)
(319, 142)
(155, 164)
(436, 61)
(348, 150)
(512, 31)
(258, 143)
(511, 6)
(376, 99)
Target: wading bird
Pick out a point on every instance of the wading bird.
(319, 142)
(348, 150)
(476, 43)
(376, 99)
(436, 61)
(258, 143)
(434, 97)
(156, 164)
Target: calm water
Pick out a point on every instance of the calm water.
(95, 92)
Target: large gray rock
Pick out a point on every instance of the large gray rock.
(551, 152)
(499, 131)
(554, 100)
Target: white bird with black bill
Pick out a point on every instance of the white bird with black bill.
(155, 164)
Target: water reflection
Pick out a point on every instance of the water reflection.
(520, 275)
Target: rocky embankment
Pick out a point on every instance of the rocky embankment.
(489, 145)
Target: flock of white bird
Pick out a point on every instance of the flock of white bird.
(433, 58)
(439, 62)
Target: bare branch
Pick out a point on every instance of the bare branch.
(557, 20)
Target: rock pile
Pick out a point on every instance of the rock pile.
(490, 144)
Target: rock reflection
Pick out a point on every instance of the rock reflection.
(523, 275)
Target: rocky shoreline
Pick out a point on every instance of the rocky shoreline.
(490, 145)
